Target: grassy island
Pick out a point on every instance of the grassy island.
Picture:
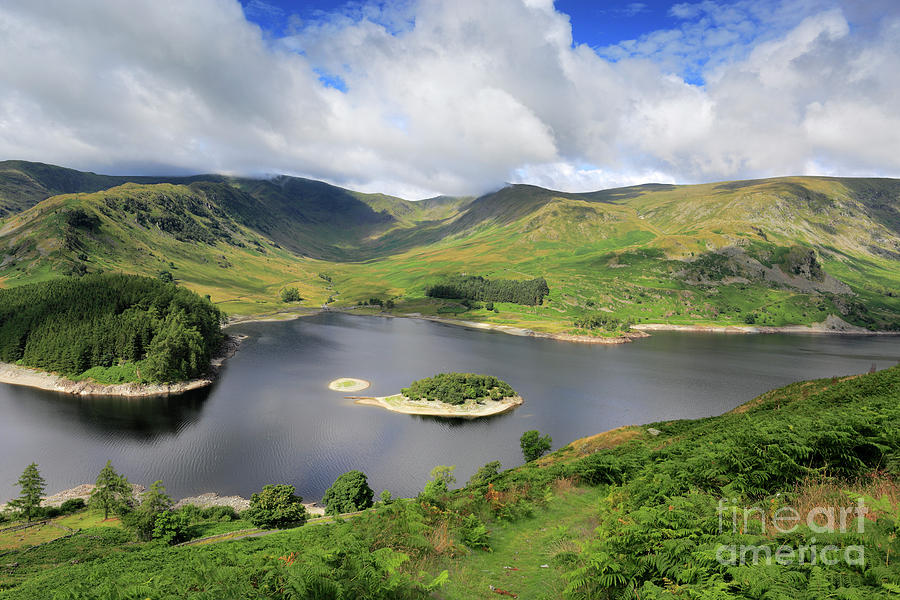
(465, 395)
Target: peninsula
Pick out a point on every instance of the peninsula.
(111, 334)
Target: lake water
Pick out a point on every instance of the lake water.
(271, 419)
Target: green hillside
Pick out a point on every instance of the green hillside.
(638, 512)
(709, 254)
(773, 252)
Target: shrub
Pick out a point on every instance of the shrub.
(142, 522)
(290, 294)
(475, 533)
(219, 513)
(349, 493)
(439, 484)
(276, 506)
(172, 527)
(485, 474)
(533, 445)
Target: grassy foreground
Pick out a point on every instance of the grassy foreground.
(632, 513)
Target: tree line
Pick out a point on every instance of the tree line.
(605, 322)
(530, 292)
(70, 325)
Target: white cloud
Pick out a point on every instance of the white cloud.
(448, 97)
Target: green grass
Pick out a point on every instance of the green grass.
(519, 550)
(56, 528)
(208, 528)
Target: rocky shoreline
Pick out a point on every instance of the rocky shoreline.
(30, 377)
(205, 500)
(429, 408)
(832, 325)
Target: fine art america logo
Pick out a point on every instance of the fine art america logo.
(786, 520)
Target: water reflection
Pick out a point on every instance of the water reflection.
(140, 419)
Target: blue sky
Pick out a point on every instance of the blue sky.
(596, 23)
(424, 97)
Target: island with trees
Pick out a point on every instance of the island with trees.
(465, 395)
(110, 333)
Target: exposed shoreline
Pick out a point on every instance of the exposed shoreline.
(832, 325)
(204, 500)
(624, 338)
(36, 378)
(431, 408)
(289, 314)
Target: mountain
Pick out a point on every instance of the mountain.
(792, 250)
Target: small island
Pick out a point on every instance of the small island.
(348, 384)
(461, 395)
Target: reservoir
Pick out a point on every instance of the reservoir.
(270, 417)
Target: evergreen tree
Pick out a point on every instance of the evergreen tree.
(112, 492)
(529, 292)
(154, 502)
(155, 499)
(32, 489)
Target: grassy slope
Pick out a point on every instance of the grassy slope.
(652, 253)
(643, 254)
(653, 501)
(241, 270)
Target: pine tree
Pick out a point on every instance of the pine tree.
(32, 486)
(155, 499)
(112, 491)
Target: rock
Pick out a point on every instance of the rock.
(236, 502)
(83, 491)
(213, 499)
(653, 431)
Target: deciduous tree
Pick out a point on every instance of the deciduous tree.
(349, 493)
(533, 445)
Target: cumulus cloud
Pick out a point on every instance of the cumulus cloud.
(428, 97)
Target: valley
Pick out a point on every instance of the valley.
(766, 253)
